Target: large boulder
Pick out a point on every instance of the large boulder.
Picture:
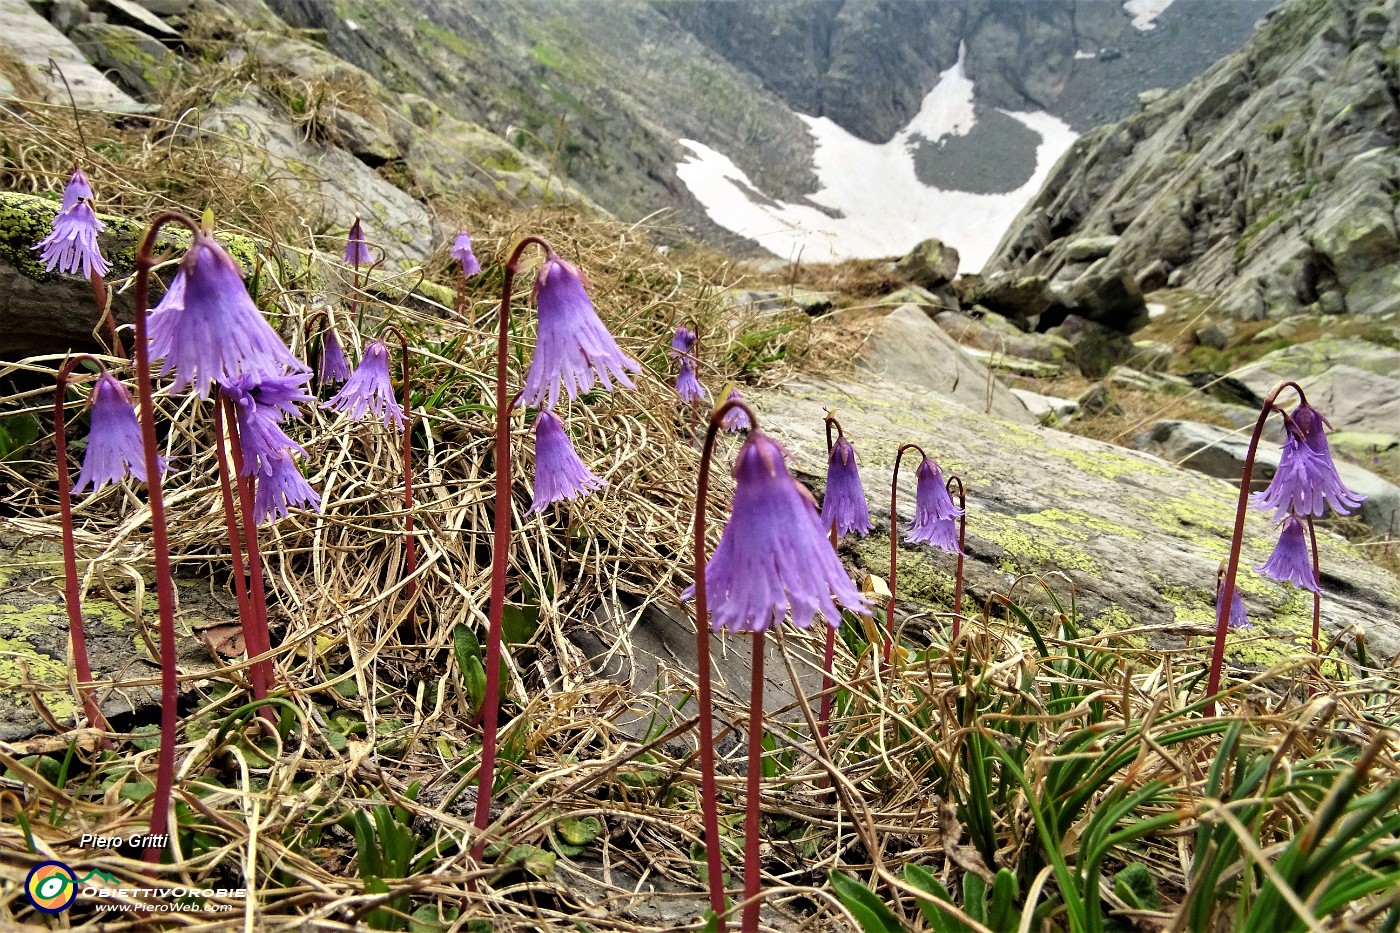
(1221, 452)
(1139, 539)
(140, 61)
(1096, 348)
(1109, 296)
(906, 347)
(32, 43)
(1019, 297)
(929, 264)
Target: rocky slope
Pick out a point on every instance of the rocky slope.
(1270, 180)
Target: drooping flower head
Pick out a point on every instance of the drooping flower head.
(261, 407)
(572, 344)
(1291, 561)
(559, 473)
(688, 387)
(278, 486)
(72, 243)
(114, 439)
(369, 389)
(1307, 480)
(934, 512)
(332, 367)
(462, 252)
(736, 419)
(356, 249)
(76, 190)
(682, 342)
(1238, 617)
(844, 504)
(773, 557)
(208, 330)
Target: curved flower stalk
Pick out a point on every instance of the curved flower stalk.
(844, 511)
(571, 343)
(960, 550)
(165, 593)
(1306, 482)
(772, 562)
(110, 430)
(370, 392)
(72, 245)
(559, 473)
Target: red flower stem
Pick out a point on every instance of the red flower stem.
(165, 589)
(894, 548)
(410, 555)
(962, 548)
(753, 874)
(99, 297)
(709, 799)
(1232, 568)
(829, 653)
(72, 597)
(257, 640)
(500, 556)
(240, 584)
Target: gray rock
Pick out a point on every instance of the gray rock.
(906, 347)
(30, 41)
(1150, 96)
(800, 299)
(1217, 335)
(1126, 377)
(367, 142)
(1129, 530)
(65, 14)
(1151, 356)
(990, 331)
(1356, 384)
(934, 301)
(1096, 400)
(1153, 276)
(332, 186)
(166, 7)
(130, 13)
(1097, 348)
(1090, 248)
(1019, 297)
(1048, 410)
(140, 62)
(1110, 297)
(1221, 453)
(929, 264)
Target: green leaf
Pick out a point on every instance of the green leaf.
(474, 679)
(136, 790)
(536, 861)
(975, 897)
(870, 912)
(16, 433)
(1137, 888)
(1004, 915)
(519, 623)
(940, 920)
(465, 646)
(579, 832)
(427, 919)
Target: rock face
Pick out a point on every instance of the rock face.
(1221, 453)
(906, 347)
(29, 40)
(1139, 538)
(1268, 178)
(930, 264)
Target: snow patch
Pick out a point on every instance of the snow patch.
(1081, 55)
(883, 209)
(1155, 310)
(1145, 12)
